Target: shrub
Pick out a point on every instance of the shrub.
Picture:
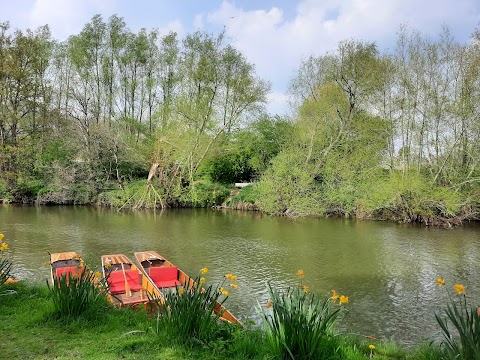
(204, 194)
(77, 295)
(465, 318)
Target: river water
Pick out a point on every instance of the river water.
(387, 270)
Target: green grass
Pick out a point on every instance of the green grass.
(30, 330)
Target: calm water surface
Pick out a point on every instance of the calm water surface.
(387, 270)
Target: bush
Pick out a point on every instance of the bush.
(204, 194)
(228, 168)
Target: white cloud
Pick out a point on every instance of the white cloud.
(173, 26)
(198, 22)
(278, 103)
(276, 44)
(66, 17)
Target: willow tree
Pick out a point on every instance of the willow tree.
(337, 141)
(215, 90)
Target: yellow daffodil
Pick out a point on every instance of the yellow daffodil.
(108, 265)
(233, 278)
(343, 299)
(228, 276)
(269, 304)
(440, 281)
(204, 270)
(459, 288)
(98, 274)
(235, 286)
(202, 280)
(1, 237)
(371, 346)
(181, 291)
(305, 288)
(225, 292)
(4, 246)
(300, 274)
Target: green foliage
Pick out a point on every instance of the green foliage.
(5, 265)
(78, 295)
(299, 324)
(247, 195)
(464, 342)
(228, 168)
(288, 187)
(189, 312)
(130, 194)
(204, 194)
(5, 269)
(407, 197)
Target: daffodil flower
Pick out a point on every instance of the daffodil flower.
(459, 288)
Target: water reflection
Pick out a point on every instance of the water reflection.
(387, 270)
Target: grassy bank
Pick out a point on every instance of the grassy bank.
(32, 331)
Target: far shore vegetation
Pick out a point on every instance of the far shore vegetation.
(141, 120)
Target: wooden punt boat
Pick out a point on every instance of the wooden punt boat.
(127, 286)
(163, 274)
(65, 264)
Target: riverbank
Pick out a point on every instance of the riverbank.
(31, 332)
(432, 207)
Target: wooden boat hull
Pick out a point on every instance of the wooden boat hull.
(64, 263)
(150, 259)
(127, 285)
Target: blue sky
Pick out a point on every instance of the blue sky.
(273, 35)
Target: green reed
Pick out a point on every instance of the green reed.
(464, 341)
(298, 324)
(188, 312)
(76, 295)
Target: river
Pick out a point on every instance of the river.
(387, 270)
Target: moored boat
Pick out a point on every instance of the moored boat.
(65, 264)
(127, 286)
(163, 274)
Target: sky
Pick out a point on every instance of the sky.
(275, 36)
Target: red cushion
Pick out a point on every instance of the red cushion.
(169, 283)
(164, 276)
(116, 281)
(70, 270)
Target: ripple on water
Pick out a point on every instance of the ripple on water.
(387, 270)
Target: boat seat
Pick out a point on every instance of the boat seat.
(165, 277)
(66, 271)
(116, 281)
